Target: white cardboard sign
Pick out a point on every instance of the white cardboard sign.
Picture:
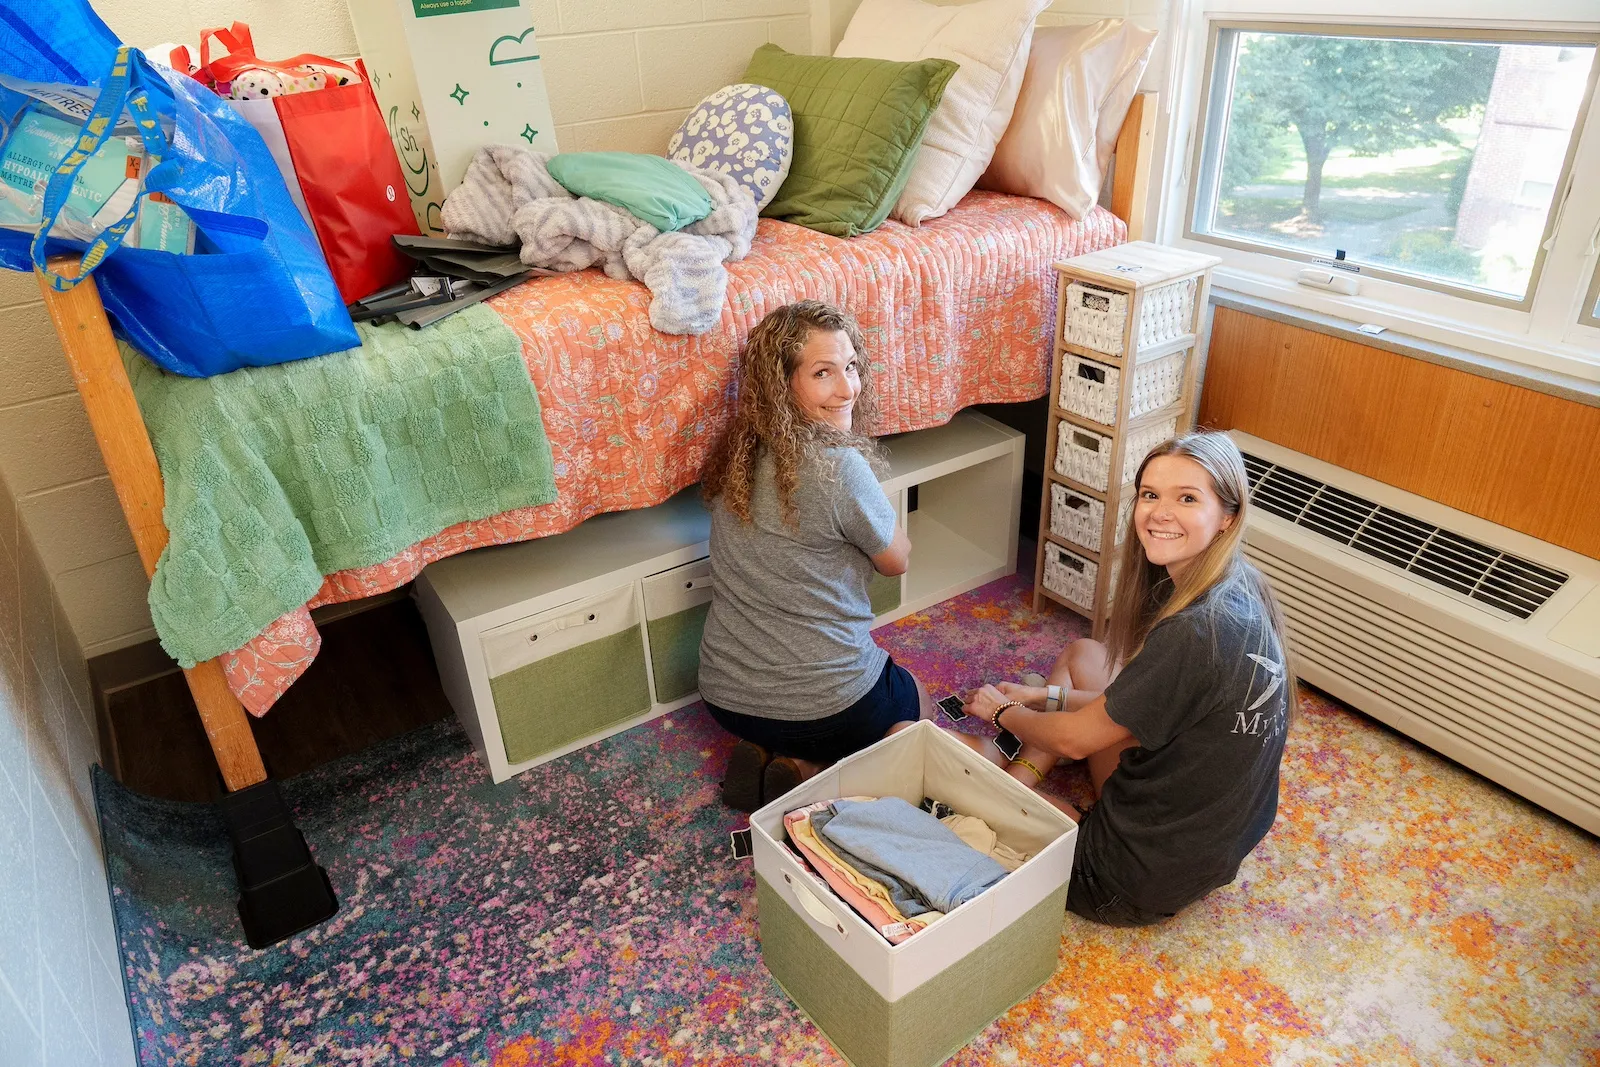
(451, 76)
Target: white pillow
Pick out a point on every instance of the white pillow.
(1079, 84)
(989, 39)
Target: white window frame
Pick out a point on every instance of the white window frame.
(1589, 311)
(1553, 332)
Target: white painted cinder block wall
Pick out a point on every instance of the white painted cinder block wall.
(61, 999)
(620, 73)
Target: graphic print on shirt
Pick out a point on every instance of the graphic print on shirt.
(1253, 720)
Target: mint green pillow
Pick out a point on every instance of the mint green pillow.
(656, 190)
(857, 125)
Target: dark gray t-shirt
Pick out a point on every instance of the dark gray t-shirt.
(789, 634)
(1206, 700)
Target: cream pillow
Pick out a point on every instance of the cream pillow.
(989, 39)
(1079, 84)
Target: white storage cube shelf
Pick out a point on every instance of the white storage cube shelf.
(1080, 519)
(549, 645)
(896, 1012)
(1085, 456)
(1090, 388)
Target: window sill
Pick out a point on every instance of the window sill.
(1538, 379)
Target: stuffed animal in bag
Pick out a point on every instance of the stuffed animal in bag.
(256, 82)
(336, 75)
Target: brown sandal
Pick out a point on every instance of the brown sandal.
(741, 782)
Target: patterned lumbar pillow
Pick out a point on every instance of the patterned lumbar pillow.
(745, 131)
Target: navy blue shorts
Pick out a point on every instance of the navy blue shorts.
(892, 699)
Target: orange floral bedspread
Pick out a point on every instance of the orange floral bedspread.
(956, 312)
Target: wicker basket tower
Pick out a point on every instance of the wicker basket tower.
(1123, 382)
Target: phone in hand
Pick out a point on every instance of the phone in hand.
(1009, 744)
(951, 707)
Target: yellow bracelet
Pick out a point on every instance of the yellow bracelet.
(1028, 764)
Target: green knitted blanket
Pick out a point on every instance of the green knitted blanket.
(277, 476)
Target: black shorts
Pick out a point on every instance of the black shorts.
(1089, 896)
(893, 698)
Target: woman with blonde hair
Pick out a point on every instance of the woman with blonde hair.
(1181, 714)
(799, 524)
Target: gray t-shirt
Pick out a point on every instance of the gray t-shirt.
(789, 634)
(1207, 701)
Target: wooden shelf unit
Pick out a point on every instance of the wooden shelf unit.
(1135, 270)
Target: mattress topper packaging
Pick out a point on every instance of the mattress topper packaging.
(37, 139)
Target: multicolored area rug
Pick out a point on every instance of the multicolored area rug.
(1403, 911)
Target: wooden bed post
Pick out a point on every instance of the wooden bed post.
(1130, 177)
(80, 321)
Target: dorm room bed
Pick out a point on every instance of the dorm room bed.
(957, 312)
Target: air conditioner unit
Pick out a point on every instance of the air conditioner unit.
(1478, 641)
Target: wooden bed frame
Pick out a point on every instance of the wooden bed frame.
(80, 320)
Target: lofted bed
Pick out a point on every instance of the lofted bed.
(958, 311)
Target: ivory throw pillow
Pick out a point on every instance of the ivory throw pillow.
(989, 39)
(1076, 93)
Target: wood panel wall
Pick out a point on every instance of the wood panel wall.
(1517, 457)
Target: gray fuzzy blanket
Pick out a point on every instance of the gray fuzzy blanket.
(508, 195)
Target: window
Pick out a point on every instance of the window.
(1591, 314)
(1431, 157)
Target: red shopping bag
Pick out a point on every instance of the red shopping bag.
(352, 185)
(336, 157)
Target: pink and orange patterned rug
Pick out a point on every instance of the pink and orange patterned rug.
(1403, 911)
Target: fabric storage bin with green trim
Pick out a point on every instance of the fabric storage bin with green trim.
(564, 674)
(676, 603)
(916, 1003)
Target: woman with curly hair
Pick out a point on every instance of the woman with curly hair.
(799, 524)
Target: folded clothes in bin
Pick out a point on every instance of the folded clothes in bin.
(869, 897)
(915, 859)
(922, 862)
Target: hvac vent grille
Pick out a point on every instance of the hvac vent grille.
(1516, 586)
(1546, 734)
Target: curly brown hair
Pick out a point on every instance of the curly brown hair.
(767, 416)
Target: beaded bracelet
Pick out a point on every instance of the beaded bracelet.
(994, 720)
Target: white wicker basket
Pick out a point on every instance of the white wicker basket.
(1085, 456)
(1079, 518)
(1090, 389)
(1166, 312)
(1070, 576)
(1096, 317)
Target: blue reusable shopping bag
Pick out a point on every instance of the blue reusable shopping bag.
(257, 291)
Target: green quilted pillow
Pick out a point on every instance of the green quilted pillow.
(857, 125)
(654, 189)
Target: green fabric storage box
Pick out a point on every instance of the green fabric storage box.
(676, 603)
(917, 1003)
(567, 673)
